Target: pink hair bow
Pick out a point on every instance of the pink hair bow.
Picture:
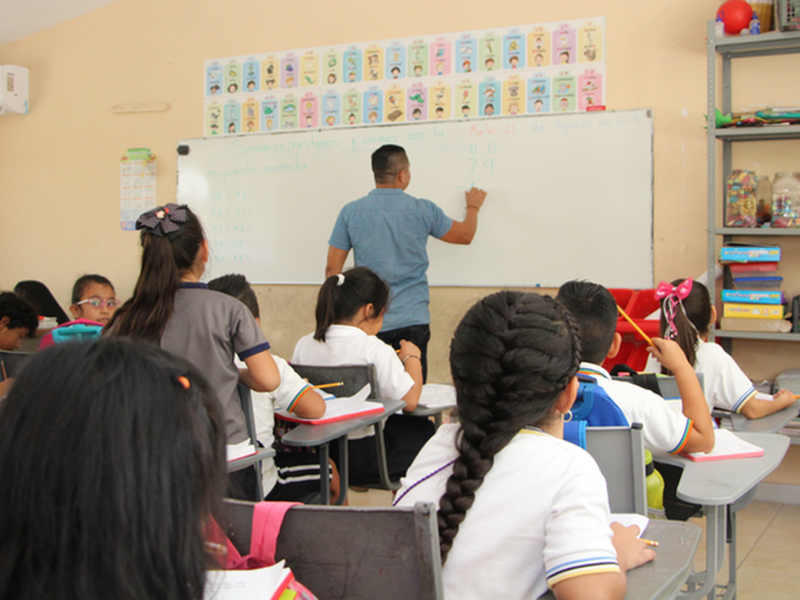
(682, 291)
(671, 297)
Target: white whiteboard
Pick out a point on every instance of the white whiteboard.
(570, 196)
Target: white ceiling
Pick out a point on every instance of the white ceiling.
(21, 18)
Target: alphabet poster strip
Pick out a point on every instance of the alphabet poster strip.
(539, 68)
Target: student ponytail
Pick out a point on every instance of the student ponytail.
(343, 295)
(691, 319)
(511, 357)
(171, 238)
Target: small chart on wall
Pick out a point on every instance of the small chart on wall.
(569, 196)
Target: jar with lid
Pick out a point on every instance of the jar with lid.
(764, 201)
(786, 200)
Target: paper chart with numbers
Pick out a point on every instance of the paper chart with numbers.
(530, 69)
(137, 185)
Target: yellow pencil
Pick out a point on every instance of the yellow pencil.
(328, 385)
(650, 543)
(636, 327)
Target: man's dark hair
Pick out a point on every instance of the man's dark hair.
(387, 162)
(595, 310)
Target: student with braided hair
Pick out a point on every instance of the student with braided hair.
(520, 510)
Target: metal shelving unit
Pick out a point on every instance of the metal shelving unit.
(729, 48)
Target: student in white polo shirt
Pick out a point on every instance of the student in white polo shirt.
(349, 314)
(520, 509)
(664, 430)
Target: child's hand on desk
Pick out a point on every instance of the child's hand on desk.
(669, 354)
(632, 551)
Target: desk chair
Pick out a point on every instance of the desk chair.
(42, 299)
(13, 362)
(253, 460)
(354, 378)
(354, 553)
(619, 452)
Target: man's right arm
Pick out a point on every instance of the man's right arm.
(463, 232)
(336, 260)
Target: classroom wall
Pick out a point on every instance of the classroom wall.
(59, 165)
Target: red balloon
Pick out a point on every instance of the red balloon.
(736, 14)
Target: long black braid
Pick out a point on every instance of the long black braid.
(511, 357)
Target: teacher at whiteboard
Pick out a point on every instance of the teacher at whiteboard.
(388, 231)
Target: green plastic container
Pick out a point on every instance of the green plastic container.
(655, 488)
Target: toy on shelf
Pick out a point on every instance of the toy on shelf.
(736, 16)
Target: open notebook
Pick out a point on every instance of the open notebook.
(267, 583)
(338, 409)
(727, 445)
(435, 395)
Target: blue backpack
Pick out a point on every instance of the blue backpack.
(593, 408)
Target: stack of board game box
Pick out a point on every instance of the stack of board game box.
(752, 299)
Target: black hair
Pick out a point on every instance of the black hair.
(387, 162)
(20, 313)
(511, 357)
(85, 281)
(337, 302)
(164, 260)
(692, 321)
(238, 287)
(41, 298)
(122, 466)
(595, 310)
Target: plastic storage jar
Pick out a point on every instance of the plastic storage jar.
(786, 200)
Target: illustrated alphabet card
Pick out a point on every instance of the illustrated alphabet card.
(514, 50)
(331, 108)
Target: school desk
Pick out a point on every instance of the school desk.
(722, 487)
(320, 436)
(662, 578)
(770, 424)
(246, 461)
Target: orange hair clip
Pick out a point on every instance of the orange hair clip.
(184, 381)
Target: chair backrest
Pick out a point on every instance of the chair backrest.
(246, 400)
(354, 377)
(355, 553)
(619, 452)
(13, 362)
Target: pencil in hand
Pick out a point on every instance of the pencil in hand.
(652, 543)
(322, 386)
(636, 327)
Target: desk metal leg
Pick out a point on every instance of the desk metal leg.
(730, 590)
(344, 471)
(324, 482)
(715, 554)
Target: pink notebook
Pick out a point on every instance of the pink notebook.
(727, 445)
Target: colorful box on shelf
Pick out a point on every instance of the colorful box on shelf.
(752, 311)
(750, 253)
(752, 296)
(745, 269)
(764, 284)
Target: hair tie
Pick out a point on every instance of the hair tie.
(672, 298)
(184, 381)
(164, 220)
(340, 281)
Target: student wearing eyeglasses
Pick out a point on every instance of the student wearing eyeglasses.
(93, 303)
(93, 298)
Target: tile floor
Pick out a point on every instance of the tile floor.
(768, 548)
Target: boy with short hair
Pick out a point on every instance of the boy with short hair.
(18, 320)
(664, 430)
